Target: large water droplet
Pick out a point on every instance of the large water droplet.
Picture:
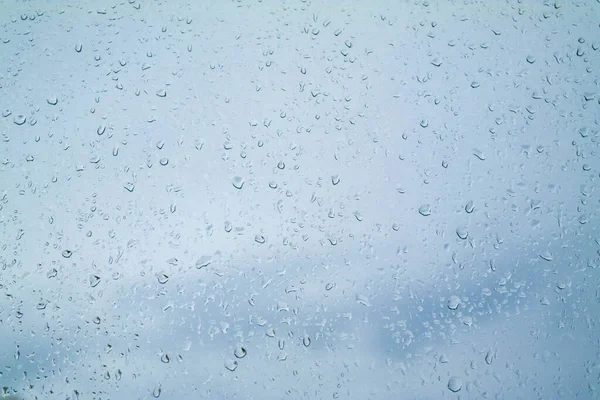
(19, 119)
(462, 232)
(306, 341)
(203, 262)
(165, 358)
(469, 207)
(157, 391)
(67, 253)
(455, 384)
(162, 278)
(335, 179)
(237, 182)
(425, 210)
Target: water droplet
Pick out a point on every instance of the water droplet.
(165, 358)
(544, 301)
(94, 280)
(231, 365)
(474, 84)
(160, 144)
(78, 47)
(489, 356)
(203, 262)
(469, 207)
(445, 164)
(462, 232)
(329, 286)
(161, 93)
(162, 278)
(157, 391)
(273, 185)
(335, 179)
(546, 255)
(228, 226)
(270, 332)
(52, 100)
(425, 210)
(129, 186)
(306, 341)
(164, 161)
(530, 59)
(455, 384)
(240, 352)
(97, 320)
(281, 165)
(67, 253)
(479, 154)
(259, 239)
(453, 302)
(237, 182)
(362, 299)
(19, 119)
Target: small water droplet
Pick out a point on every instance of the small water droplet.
(479, 154)
(475, 84)
(67, 253)
(259, 239)
(165, 358)
(52, 100)
(453, 302)
(237, 182)
(455, 384)
(240, 352)
(544, 301)
(306, 341)
(469, 207)
(94, 280)
(161, 93)
(78, 47)
(362, 299)
(530, 59)
(489, 357)
(97, 320)
(281, 165)
(129, 186)
(164, 161)
(162, 278)
(231, 365)
(157, 391)
(462, 232)
(335, 179)
(270, 332)
(546, 255)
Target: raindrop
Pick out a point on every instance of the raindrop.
(259, 239)
(479, 154)
(425, 210)
(157, 391)
(544, 301)
(240, 352)
(203, 262)
(78, 47)
(94, 280)
(52, 100)
(362, 299)
(67, 253)
(306, 341)
(162, 278)
(469, 207)
(161, 93)
(530, 59)
(270, 332)
(474, 84)
(281, 165)
(489, 357)
(160, 144)
(164, 161)
(231, 365)
(455, 384)
(462, 233)
(165, 358)
(97, 320)
(546, 255)
(19, 119)
(129, 186)
(237, 182)
(335, 179)
(453, 302)
(329, 286)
